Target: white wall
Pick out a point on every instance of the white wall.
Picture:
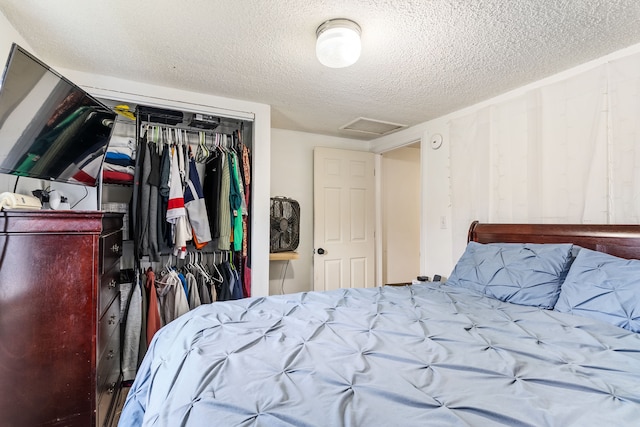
(437, 256)
(292, 176)
(9, 35)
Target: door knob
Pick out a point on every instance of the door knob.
(320, 251)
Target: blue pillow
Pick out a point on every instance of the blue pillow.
(521, 273)
(604, 287)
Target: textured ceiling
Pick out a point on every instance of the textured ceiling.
(420, 59)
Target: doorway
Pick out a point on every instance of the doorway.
(400, 214)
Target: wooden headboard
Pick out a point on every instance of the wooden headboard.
(618, 240)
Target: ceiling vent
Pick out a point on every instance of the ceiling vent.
(372, 126)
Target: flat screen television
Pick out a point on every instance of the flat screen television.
(50, 128)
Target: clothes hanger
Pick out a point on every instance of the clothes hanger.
(213, 268)
(215, 143)
(169, 267)
(221, 142)
(202, 153)
(217, 276)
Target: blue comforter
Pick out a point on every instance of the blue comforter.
(421, 355)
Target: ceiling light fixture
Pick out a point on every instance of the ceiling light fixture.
(338, 43)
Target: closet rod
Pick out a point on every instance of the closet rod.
(140, 115)
(200, 251)
(188, 128)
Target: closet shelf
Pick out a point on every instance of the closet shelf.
(283, 256)
(121, 184)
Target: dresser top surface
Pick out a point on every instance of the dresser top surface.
(92, 222)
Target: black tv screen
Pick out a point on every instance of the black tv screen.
(49, 127)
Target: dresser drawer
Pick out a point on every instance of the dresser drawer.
(108, 326)
(109, 364)
(110, 250)
(109, 288)
(108, 384)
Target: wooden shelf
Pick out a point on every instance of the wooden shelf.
(283, 256)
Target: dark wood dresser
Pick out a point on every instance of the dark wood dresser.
(59, 317)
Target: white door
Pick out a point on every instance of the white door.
(344, 219)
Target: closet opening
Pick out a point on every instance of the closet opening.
(183, 180)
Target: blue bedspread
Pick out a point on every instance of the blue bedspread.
(421, 355)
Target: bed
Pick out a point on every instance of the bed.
(476, 350)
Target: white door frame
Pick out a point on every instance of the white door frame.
(378, 191)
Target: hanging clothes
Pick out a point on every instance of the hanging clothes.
(172, 300)
(131, 315)
(141, 279)
(185, 287)
(235, 202)
(211, 189)
(204, 291)
(246, 280)
(176, 206)
(236, 288)
(192, 291)
(223, 289)
(142, 232)
(154, 321)
(135, 200)
(196, 208)
(153, 181)
(165, 236)
(224, 242)
(246, 174)
(176, 212)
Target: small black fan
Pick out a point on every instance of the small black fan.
(285, 224)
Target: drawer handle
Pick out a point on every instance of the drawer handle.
(112, 319)
(115, 248)
(110, 355)
(113, 283)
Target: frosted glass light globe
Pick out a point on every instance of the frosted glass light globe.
(338, 44)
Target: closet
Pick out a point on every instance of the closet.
(183, 181)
